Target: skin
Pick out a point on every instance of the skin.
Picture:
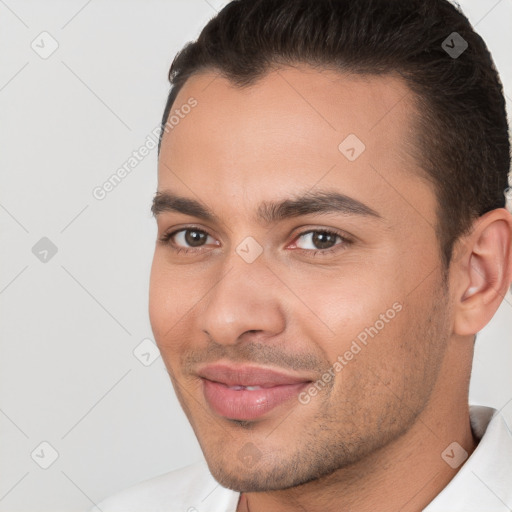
(372, 438)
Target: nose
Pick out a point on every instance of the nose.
(247, 298)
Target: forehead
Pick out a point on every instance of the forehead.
(290, 130)
(324, 100)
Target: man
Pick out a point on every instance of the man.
(332, 234)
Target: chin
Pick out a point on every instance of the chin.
(251, 480)
(269, 475)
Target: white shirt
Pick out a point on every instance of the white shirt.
(483, 483)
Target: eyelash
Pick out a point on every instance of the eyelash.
(167, 240)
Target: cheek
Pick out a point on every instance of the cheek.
(159, 298)
(378, 328)
(348, 302)
(400, 359)
(171, 296)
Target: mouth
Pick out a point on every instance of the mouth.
(248, 392)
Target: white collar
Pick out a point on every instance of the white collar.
(484, 482)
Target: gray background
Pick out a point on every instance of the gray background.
(70, 324)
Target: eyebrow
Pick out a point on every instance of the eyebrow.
(319, 202)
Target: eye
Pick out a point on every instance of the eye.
(187, 239)
(320, 241)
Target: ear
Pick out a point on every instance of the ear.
(483, 271)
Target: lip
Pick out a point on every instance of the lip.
(248, 375)
(224, 388)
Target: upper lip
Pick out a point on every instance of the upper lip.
(247, 375)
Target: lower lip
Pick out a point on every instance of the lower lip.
(247, 405)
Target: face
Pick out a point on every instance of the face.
(296, 289)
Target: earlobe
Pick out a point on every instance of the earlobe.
(486, 271)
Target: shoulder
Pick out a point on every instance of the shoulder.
(189, 489)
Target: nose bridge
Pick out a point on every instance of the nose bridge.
(245, 298)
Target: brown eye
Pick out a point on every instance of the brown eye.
(188, 238)
(195, 238)
(318, 240)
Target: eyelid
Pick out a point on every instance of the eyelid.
(333, 231)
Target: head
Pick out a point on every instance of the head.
(330, 206)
